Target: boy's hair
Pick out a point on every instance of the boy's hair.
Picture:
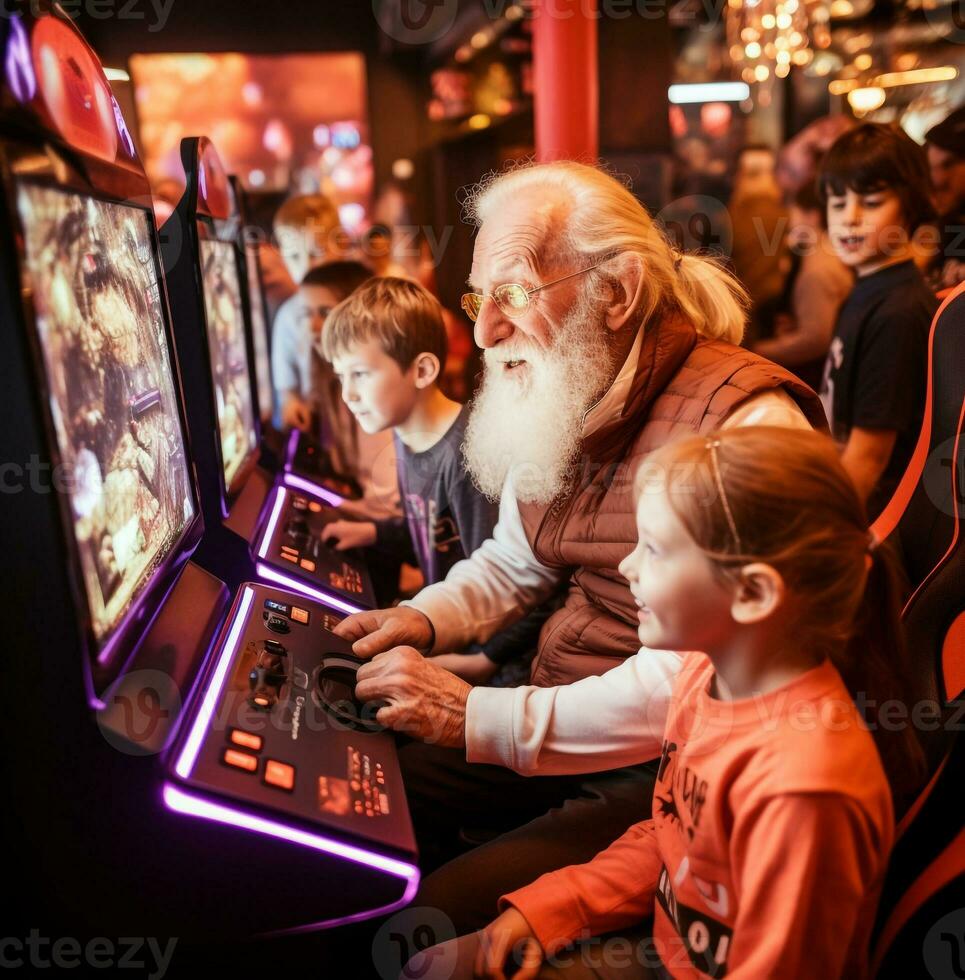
(341, 277)
(873, 157)
(806, 198)
(307, 212)
(781, 496)
(402, 316)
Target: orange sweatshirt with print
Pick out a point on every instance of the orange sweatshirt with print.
(771, 828)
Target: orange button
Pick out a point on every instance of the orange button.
(299, 615)
(291, 558)
(315, 507)
(240, 760)
(246, 739)
(279, 774)
(307, 564)
(289, 550)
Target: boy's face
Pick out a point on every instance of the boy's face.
(316, 304)
(866, 229)
(377, 391)
(305, 248)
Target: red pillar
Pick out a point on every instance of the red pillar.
(566, 80)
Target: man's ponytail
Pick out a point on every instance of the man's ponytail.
(710, 298)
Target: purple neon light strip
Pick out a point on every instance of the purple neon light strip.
(412, 886)
(188, 803)
(269, 574)
(272, 522)
(189, 754)
(300, 483)
(291, 449)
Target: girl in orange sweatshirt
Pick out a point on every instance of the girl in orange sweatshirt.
(772, 817)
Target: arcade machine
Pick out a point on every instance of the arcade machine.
(178, 767)
(248, 517)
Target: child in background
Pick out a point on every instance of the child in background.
(387, 345)
(773, 816)
(308, 233)
(367, 458)
(874, 184)
(308, 399)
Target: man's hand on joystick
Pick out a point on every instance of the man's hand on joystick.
(382, 629)
(424, 701)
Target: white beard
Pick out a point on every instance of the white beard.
(530, 428)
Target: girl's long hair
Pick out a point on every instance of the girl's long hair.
(795, 508)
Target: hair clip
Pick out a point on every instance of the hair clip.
(712, 446)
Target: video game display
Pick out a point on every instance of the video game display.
(112, 393)
(229, 356)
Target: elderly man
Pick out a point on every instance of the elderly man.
(600, 343)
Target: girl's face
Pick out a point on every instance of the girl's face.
(866, 229)
(682, 603)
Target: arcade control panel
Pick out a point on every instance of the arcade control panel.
(294, 543)
(278, 728)
(310, 461)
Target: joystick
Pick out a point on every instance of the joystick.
(334, 691)
(266, 678)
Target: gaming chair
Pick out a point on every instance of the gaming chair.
(921, 919)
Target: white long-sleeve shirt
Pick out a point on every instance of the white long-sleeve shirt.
(595, 723)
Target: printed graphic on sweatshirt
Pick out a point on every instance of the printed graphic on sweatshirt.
(705, 939)
(681, 793)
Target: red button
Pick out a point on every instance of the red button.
(246, 739)
(280, 774)
(240, 760)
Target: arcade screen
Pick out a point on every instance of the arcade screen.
(112, 392)
(229, 356)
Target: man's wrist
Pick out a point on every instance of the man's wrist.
(430, 646)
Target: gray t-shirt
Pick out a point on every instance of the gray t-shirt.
(446, 517)
(446, 520)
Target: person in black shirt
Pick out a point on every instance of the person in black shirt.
(945, 146)
(387, 346)
(874, 182)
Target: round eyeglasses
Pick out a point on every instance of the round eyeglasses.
(513, 299)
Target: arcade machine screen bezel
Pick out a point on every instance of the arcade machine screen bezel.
(261, 342)
(107, 652)
(208, 236)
